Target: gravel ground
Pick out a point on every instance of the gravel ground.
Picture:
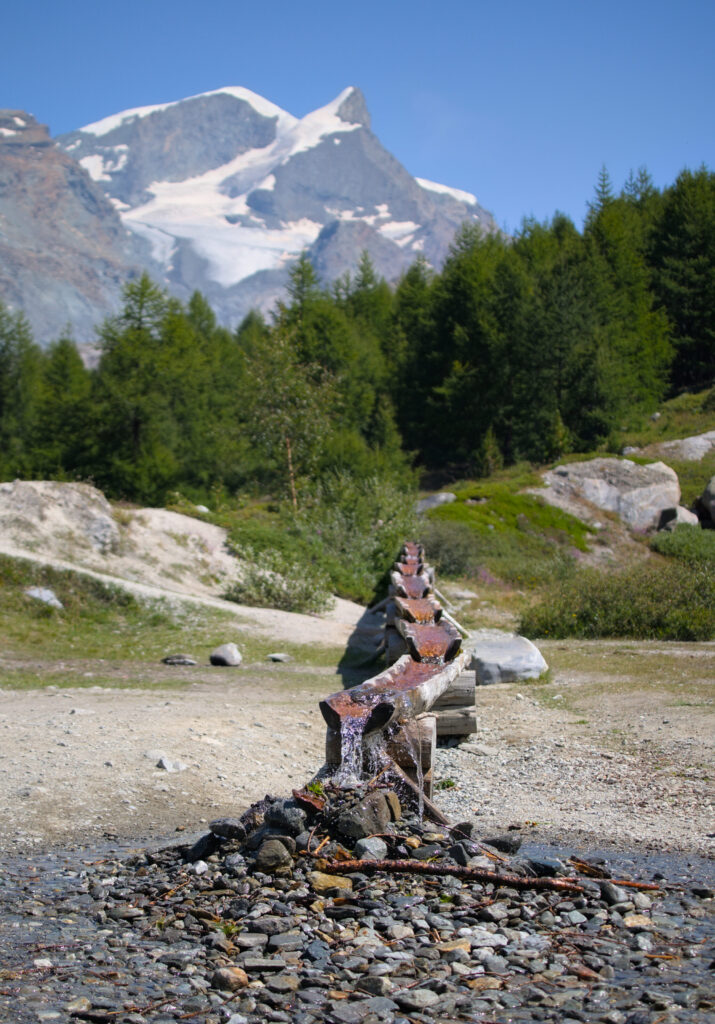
(227, 930)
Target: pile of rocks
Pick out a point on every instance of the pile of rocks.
(259, 921)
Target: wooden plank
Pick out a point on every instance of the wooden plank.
(460, 694)
(456, 722)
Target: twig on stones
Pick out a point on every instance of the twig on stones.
(649, 886)
(476, 874)
(323, 842)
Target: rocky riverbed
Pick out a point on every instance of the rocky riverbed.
(263, 919)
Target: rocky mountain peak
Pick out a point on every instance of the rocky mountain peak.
(18, 128)
(353, 108)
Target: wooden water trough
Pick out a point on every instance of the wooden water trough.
(391, 722)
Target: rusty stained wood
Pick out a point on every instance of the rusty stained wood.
(410, 586)
(405, 689)
(423, 610)
(435, 643)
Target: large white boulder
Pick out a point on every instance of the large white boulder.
(637, 494)
(687, 449)
(504, 658)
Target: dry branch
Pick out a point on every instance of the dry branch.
(412, 867)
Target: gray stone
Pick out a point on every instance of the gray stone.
(415, 999)
(637, 494)
(688, 449)
(227, 655)
(228, 828)
(178, 659)
(370, 849)
(375, 985)
(434, 501)
(672, 517)
(171, 766)
(278, 656)
(45, 595)
(272, 854)
(505, 658)
(366, 818)
(287, 815)
(509, 842)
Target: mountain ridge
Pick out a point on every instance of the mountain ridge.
(223, 190)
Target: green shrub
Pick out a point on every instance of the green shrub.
(271, 580)
(453, 548)
(356, 527)
(495, 530)
(689, 543)
(348, 529)
(664, 601)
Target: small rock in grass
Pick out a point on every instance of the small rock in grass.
(178, 659)
(278, 656)
(45, 595)
(227, 655)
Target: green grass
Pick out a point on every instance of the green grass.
(691, 544)
(680, 417)
(515, 537)
(104, 622)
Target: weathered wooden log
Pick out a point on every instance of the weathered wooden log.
(395, 646)
(456, 722)
(404, 690)
(424, 610)
(410, 586)
(435, 643)
(461, 694)
(416, 738)
(425, 782)
(411, 794)
(420, 867)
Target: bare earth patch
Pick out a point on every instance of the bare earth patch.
(598, 753)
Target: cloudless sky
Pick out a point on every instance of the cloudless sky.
(518, 101)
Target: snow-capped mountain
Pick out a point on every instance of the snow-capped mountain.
(220, 192)
(226, 189)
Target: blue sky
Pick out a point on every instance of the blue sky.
(518, 102)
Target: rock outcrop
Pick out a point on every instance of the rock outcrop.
(637, 494)
(64, 253)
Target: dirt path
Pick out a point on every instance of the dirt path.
(600, 751)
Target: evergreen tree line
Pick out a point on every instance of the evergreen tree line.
(521, 348)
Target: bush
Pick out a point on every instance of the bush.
(355, 526)
(453, 548)
(348, 531)
(514, 537)
(664, 601)
(689, 543)
(271, 580)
